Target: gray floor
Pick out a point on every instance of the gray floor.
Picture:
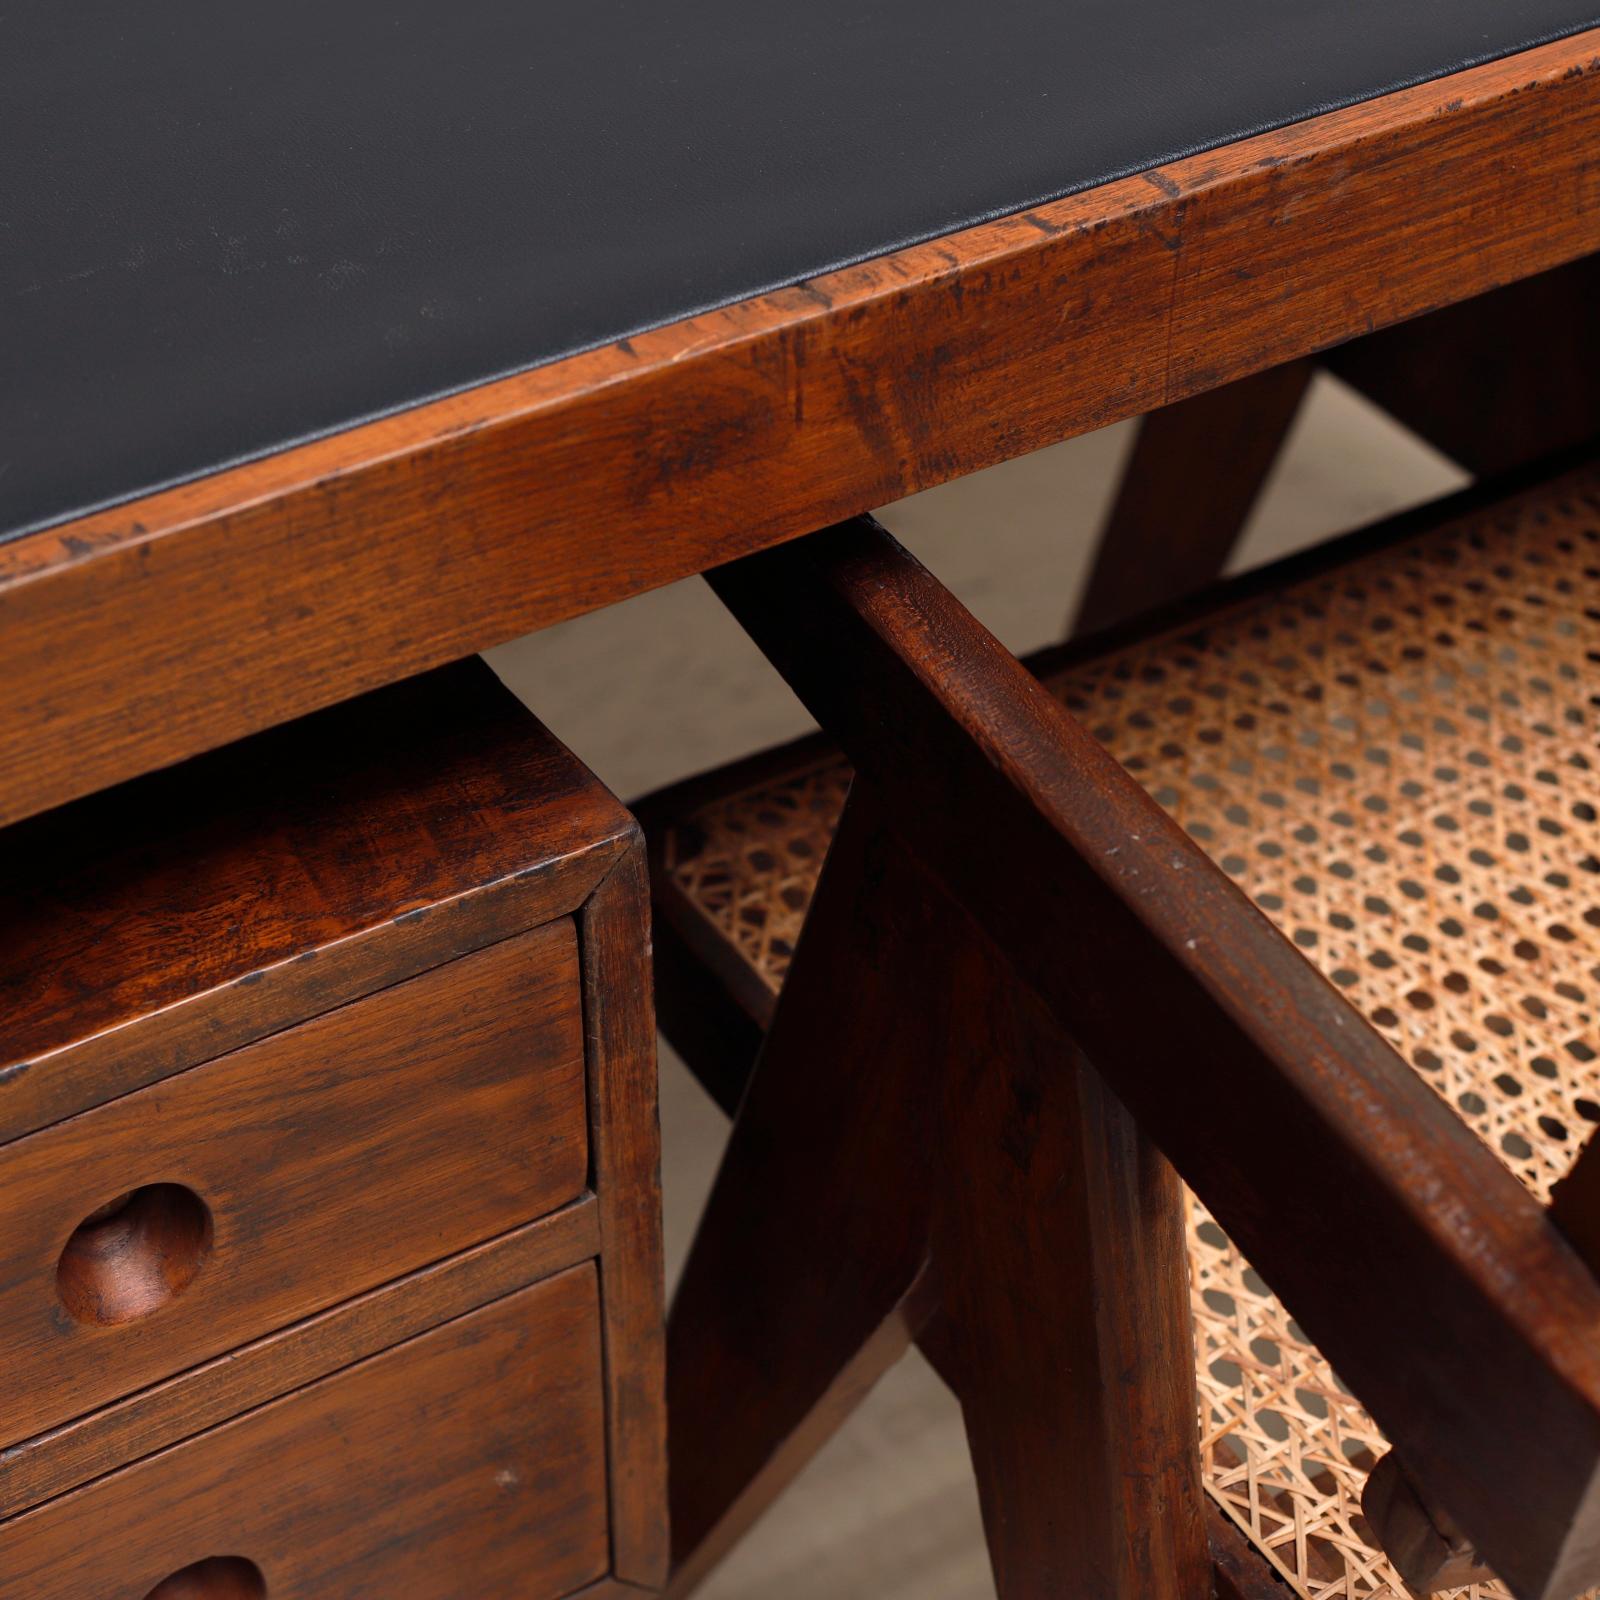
(667, 685)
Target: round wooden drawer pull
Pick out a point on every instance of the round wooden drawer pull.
(132, 1256)
(219, 1578)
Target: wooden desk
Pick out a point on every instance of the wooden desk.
(296, 575)
(139, 635)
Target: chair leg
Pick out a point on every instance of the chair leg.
(807, 1277)
(1060, 1246)
(919, 1152)
(1196, 471)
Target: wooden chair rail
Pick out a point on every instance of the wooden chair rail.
(1184, 995)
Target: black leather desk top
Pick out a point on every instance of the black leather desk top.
(227, 225)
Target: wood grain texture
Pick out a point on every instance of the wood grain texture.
(1496, 382)
(1240, 1574)
(806, 1278)
(1102, 903)
(150, 928)
(475, 1449)
(168, 1412)
(1059, 1240)
(139, 635)
(331, 1158)
(1196, 470)
(619, 1024)
(995, 1204)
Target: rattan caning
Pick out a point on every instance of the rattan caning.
(1397, 761)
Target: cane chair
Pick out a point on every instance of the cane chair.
(1383, 1099)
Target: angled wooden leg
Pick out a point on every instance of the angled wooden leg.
(1494, 382)
(806, 1280)
(1059, 1241)
(920, 1151)
(1196, 471)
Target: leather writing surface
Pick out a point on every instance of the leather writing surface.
(228, 227)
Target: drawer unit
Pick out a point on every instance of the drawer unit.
(469, 1460)
(329, 1222)
(170, 1225)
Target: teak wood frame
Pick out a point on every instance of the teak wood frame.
(136, 636)
(1073, 914)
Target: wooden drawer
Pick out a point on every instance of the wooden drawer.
(288, 1176)
(468, 1461)
(345, 1033)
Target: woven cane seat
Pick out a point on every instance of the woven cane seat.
(1397, 760)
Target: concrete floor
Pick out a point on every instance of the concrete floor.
(667, 685)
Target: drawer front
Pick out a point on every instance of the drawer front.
(470, 1460)
(288, 1176)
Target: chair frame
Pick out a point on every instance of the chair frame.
(1055, 988)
